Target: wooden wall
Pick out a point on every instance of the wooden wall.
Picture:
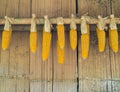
(22, 71)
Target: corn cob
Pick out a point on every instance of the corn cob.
(113, 35)
(73, 39)
(61, 32)
(46, 42)
(33, 41)
(6, 37)
(60, 54)
(101, 39)
(85, 41)
(33, 35)
(113, 40)
(73, 33)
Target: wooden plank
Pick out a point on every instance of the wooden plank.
(22, 53)
(7, 85)
(53, 8)
(22, 85)
(116, 86)
(115, 64)
(116, 8)
(4, 60)
(25, 8)
(13, 60)
(3, 5)
(36, 61)
(12, 8)
(41, 71)
(64, 74)
(96, 66)
(94, 7)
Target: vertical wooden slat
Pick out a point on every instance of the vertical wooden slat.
(12, 8)
(7, 85)
(95, 68)
(115, 69)
(116, 7)
(4, 64)
(22, 53)
(54, 8)
(64, 74)
(13, 60)
(22, 85)
(40, 71)
(36, 61)
(3, 7)
(25, 8)
(94, 7)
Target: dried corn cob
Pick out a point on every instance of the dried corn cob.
(33, 41)
(6, 34)
(85, 38)
(46, 41)
(101, 39)
(61, 32)
(73, 39)
(101, 34)
(73, 34)
(60, 54)
(33, 35)
(113, 35)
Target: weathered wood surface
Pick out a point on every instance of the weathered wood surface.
(116, 7)
(96, 68)
(25, 8)
(94, 7)
(40, 70)
(64, 75)
(22, 71)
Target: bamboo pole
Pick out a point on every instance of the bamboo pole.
(26, 21)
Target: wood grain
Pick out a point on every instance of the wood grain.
(95, 68)
(40, 71)
(94, 7)
(64, 74)
(54, 8)
(25, 8)
(116, 8)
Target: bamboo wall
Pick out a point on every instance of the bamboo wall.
(22, 71)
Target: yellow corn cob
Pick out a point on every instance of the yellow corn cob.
(113, 40)
(60, 54)
(61, 35)
(101, 39)
(85, 41)
(73, 39)
(6, 37)
(33, 41)
(46, 42)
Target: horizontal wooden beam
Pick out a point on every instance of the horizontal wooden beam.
(26, 21)
(40, 27)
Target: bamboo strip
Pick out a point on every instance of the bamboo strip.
(26, 21)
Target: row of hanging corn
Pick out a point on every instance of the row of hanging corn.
(85, 37)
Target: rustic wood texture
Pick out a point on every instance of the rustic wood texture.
(24, 8)
(64, 75)
(94, 7)
(40, 71)
(54, 8)
(19, 54)
(94, 69)
(23, 71)
(116, 7)
(3, 4)
(4, 64)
